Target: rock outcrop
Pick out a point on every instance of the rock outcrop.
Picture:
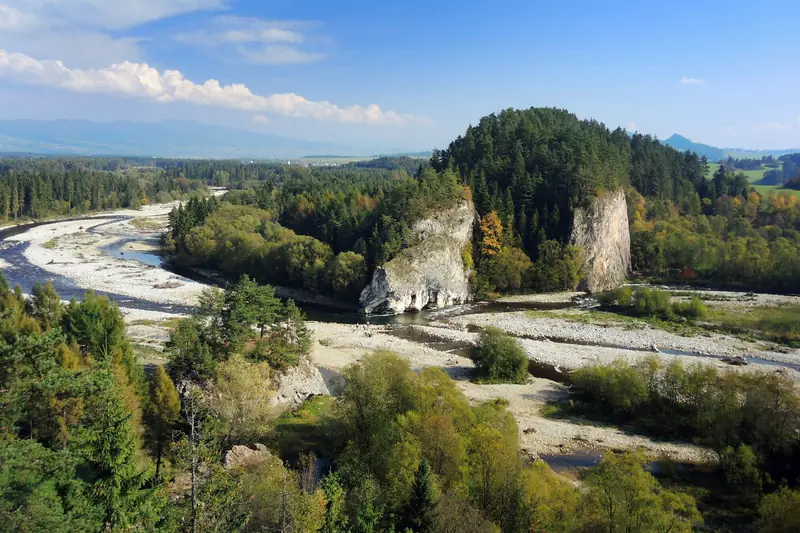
(298, 384)
(603, 232)
(244, 457)
(429, 275)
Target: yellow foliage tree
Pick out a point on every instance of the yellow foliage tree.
(491, 235)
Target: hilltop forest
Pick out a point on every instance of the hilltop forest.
(326, 229)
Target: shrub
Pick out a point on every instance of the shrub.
(500, 358)
(655, 303)
(618, 386)
(779, 512)
(693, 309)
(621, 297)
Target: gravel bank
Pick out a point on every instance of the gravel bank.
(554, 329)
(565, 356)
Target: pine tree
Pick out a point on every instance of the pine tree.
(483, 200)
(336, 520)
(162, 414)
(420, 513)
(45, 305)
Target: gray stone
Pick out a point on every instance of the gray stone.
(299, 383)
(429, 275)
(244, 457)
(602, 231)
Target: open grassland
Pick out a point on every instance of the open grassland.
(752, 175)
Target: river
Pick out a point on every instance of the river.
(112, 257)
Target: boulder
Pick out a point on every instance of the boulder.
(430, 274)
(244, 457)
(298, 384)
(602, 231)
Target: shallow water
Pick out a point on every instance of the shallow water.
(580, 458)
(121, 250)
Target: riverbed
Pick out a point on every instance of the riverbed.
(114, 256)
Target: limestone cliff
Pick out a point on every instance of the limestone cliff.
(429, 275)
(603, 232)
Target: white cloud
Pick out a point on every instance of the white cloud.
(77, 31)
(261, 119)
(774, 126)
(691, 81)
(111, 14)
(12, 19)
(278, 55)
(631, 127)
(257, 41)
(139, 80)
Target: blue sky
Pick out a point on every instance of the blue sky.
(408, 75)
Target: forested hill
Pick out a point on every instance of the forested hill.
(533, 167)
(546, 162)
(679, 142)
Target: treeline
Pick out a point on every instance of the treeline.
(749, 419)
(787, 171)
(37, 188)
(323, 237)
(748, 240)
(411, 165)
(733, 164)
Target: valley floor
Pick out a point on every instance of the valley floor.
(101, 253)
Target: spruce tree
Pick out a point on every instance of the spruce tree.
(483, 201)
(420, 513)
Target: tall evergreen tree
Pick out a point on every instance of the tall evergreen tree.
(162, 414)
(421, 511)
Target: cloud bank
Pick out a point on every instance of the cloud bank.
(139, 80)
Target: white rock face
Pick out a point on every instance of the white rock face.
(603, 232)
(298, 384)
(429, 275)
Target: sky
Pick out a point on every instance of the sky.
(408, 75)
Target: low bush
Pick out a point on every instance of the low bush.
(693, 309)
(500, 358)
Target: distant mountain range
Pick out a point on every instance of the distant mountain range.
(168, 138)
(715, 154)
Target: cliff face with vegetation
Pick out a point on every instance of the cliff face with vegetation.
(602, 231)
(430, 274)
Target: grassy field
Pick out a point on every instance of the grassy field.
(752, 175)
